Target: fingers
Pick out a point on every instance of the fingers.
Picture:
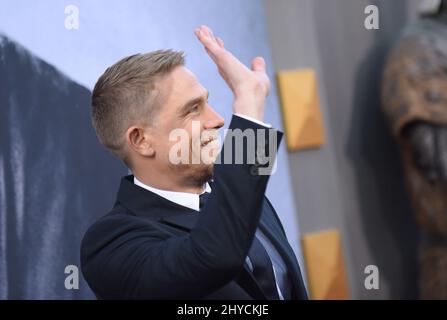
(220, 42)
(206, 37)
(258, 64)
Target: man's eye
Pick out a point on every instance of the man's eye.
(195, 108)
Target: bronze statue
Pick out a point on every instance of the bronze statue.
(414, 99)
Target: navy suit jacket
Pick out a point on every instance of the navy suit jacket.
(148, 247)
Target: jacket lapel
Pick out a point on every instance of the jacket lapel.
(273, 231)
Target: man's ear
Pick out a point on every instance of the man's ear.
(140, 140)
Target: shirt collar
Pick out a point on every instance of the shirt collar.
(186, 199)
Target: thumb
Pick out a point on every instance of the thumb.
(258, 64)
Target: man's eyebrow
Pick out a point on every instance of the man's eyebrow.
(192, 102)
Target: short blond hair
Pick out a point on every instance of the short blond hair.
(126, 94)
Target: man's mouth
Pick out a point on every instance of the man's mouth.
(204, 143)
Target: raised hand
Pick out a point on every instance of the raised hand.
(250, 87)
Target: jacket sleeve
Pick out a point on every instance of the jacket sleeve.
(134, 260)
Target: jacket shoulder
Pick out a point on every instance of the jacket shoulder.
(111, 230)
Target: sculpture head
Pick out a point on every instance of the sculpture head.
(434, 9)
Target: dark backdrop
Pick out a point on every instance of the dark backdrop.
(55, 177)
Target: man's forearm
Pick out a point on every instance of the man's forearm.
(232, 213)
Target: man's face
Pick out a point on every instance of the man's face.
(185, 128)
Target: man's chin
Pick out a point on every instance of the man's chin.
(201, 174)
(207, 171)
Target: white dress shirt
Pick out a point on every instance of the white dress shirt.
(186, 199)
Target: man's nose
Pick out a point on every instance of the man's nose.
(213, 120)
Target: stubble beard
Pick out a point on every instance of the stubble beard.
(193, 175)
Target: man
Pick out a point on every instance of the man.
(162, 240)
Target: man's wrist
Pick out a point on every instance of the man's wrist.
(250, 107)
